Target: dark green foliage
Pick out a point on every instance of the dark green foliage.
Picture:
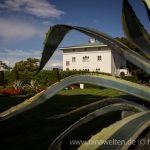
(44, 77)
(29, 91)
(55, 77)
(65, 74)
(2, 82)
(91, 86)
(14, 75)
(30, 65)
(130, 78)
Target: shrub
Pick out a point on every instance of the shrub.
(29, 91)
(91, 86)
(55, 77)
(14, 76)
(131, 78)
(2, 82)
(1, 87)
(34, 85)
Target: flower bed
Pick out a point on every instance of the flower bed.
(41, 89)
(74, 87)
(10, 92)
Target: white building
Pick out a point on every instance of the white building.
(93, 56)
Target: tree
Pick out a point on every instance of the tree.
(30, 65)
(4, 65)
(55, 77)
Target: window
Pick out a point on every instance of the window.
(97, 69)
(73, 59)
(98, 58)
(85, 49)
(99, 48)
(73, 50)
(85, 58)
(67, 63)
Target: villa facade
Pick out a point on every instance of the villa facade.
(94, 56)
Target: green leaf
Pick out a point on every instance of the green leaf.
(134, 30)
(147, 6)
(125, 131)
(96, 105)
(91, 116)
(53, 38)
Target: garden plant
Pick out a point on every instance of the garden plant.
(126, 129)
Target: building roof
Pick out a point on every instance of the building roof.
(86, 45)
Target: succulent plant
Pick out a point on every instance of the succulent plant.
(128, 128)
(18, 85)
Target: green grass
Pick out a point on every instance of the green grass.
(30, 130)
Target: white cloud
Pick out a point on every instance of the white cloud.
(13, 30)
(47, 23)
(56, 64)
(39, 8)
(53, 64)
(14, 56)
(17, 53)
(22, 53)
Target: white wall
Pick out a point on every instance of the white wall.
(104, 64)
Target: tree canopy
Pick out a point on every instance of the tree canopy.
(30, 65)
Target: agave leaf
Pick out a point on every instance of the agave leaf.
(120, 48)
(147, 6)
(96, 105)
(100, 80)
(91, 116)
(124, 131)
(134, 30)
(18, 84)
(51, 44)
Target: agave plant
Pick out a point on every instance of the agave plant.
(34, 85)
(128, 128)
(18, 85)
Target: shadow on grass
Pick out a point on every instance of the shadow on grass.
(30, 130)
(9, 101)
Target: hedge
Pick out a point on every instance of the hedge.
(131, 78)
(44, 77)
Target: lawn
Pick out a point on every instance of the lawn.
(30, 130)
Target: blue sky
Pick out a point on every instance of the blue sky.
(23, 24)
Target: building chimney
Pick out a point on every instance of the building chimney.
(92, 40)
